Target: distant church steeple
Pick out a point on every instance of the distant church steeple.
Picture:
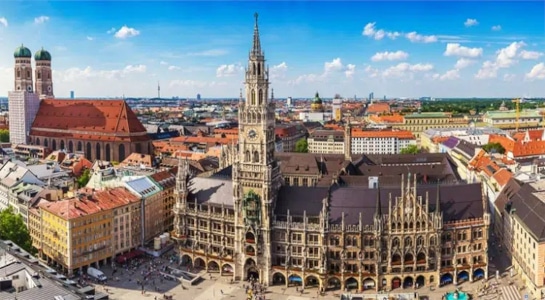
(256, 49)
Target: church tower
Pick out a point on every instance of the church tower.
(256, 175)
(44, 77)
(23, 69)
(22, 101)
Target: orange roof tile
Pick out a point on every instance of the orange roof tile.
(90, 202)
(105, 120)
(502, 177)
(378, 108)
(387, 119)
(518, 148)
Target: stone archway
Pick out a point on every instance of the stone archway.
(251, 270)
(70, 147)
(352, 284)
(213, 266)
(227, 269)
(333, 283)
(408, 282)
(186, 260)
(478, 274)
(368, 284)
(278, 279)
(396, 283)
(250, 237)
(446, 278)
(462, 277)
(312, 281)
(420, 281)
(295, 280)
(199, 263)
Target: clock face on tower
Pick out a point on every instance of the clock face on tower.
(252, 134)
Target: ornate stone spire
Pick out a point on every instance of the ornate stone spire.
(378, 211)
(256, 49)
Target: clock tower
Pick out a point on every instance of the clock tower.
(256, 175)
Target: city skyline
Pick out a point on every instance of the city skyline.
(406, 49)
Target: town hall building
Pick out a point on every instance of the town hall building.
(336, 221)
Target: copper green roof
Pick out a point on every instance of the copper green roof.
(427, 115)
(511, 114)
(22, 51)
(42, 55)
(317, 99)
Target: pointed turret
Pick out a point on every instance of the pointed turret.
(378, 210)
(256, 48)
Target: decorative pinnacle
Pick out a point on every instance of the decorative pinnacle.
(256, 49)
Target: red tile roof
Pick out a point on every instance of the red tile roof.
(518, 148)
(90, 202)
(378, 108)
(400, 134)
(102, 120)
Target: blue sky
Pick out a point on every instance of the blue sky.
(397, 49)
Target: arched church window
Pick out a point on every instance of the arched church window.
(253, 97)
(432, 241)
(38, 141)
(247, 156)
(420, 241)
(70, 147)
(408, 242)
(80, 146)
(28, 74)
(18, 73)
(260, 98)
(54, 145)
(256, 157)
(254, 69)
(259, 69)
(46, 143)
(395, 242)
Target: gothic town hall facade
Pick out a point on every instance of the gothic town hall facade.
(331, 221)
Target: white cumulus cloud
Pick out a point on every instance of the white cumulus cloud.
(471, 22)
(126, 32)
(77, 74)
(331, 69)
(279, 71)
(449, 75)
(455, 49)
(41, 19)
(4, 21)
(530, 55)
(229, 70)
(397, 55)
(406, 69)
(463, 63)
(173, 68)
(419, 38)
(505, 58)
(370, 30)
(537, 72)
(90, 38)
(496, 28)
(350, 70)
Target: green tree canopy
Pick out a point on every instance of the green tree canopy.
(84, 178)
(301, 146)
(4, 135)
(13, 228)
(494, 148)
(411, 149)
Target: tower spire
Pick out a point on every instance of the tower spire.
(378, 211)
(256, 49)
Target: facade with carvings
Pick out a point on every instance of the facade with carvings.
(334, 221)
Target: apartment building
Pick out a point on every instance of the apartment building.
(88, 229)
(417, 123)
(380, 141)
(326, 142)
(289, 134)
(508, 119)
(519, 226)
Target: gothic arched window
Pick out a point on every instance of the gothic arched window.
(38, 141)
(259, 69)
(260, 97)
(420, 241)
(254, 69)
(256, 157)
(395, 242)
(247, 156)
(408, 242)
(253, 97)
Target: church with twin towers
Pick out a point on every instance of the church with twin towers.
(327, 221)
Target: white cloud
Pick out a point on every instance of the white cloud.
(173, 68)
(41, 19)
(471, 22)
(449, 75)
(419, 38)
(77, 74)
(496, 28)
(126, 32)
(112, 30)
(164, 63)
(463, 63)
(530, 55)
(229, 70)
(279, 71)
(371, 31)
(90, 38)
(398, 55)
(331, 68)
(190, 83)
(505, 58)
(210, 53)
(405, 69)
(4, 21)
(350, 70)
(537, 72)
(455, 49)
(372, 71)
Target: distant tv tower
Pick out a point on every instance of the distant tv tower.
(158, 90)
